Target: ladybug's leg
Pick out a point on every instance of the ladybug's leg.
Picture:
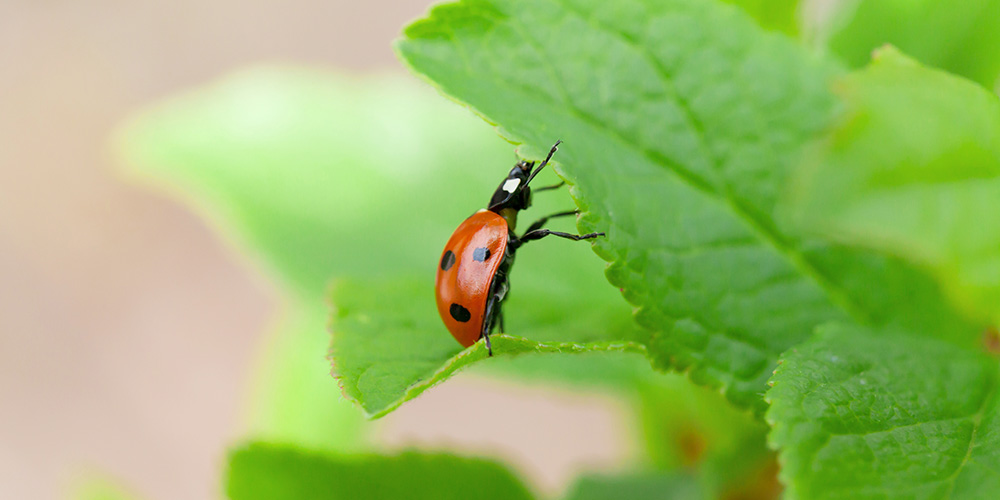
(538, 234)
(541, 222)
(552, 151)
(488, 322)
(548, 188)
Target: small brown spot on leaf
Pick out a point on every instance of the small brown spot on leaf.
(991, 340)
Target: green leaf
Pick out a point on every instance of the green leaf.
(960, 37)
(865, 414)
(389, 344)
(914, 170)
(681, 121)
(652, 485)
(281, 472)
(777, 15)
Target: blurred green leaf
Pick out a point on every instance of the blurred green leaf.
(777, 15)
(311, 171)
(314, 175)
(99, 486)
(864, 414)
(647, 486)
(914, 170)
(682, 120)
(294, 398)
(279, 472)
(960, 37)
(389, 344)
(695, 429)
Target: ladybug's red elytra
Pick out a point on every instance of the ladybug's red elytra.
(472, 274)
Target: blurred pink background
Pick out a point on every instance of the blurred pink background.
(127, 328)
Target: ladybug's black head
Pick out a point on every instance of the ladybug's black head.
(513, 194)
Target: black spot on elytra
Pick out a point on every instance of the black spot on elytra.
(481, 254)
(447, 260)
(460, 313)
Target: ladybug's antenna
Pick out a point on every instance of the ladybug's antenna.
(552, 151)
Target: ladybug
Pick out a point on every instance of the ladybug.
(472, 274)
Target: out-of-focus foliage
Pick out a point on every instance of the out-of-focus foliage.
(925, 187)
(960, 37)
(278, 472)
(637, 486)
(694, 429)
(319, 175)
(778, 15)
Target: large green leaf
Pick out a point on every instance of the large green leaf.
(280, 472)
(961, 37)
(863, 414)
(914, 169)
(681, 121)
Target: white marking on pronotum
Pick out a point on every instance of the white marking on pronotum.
(511, 185)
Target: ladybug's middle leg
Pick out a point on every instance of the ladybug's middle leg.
(541, 222)
(538, 234)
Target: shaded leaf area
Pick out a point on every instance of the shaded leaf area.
(914, 169)
(681, 121)
(863, 414)
(960, 37)
(694, 429)
(389, 345)
(275, 472)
